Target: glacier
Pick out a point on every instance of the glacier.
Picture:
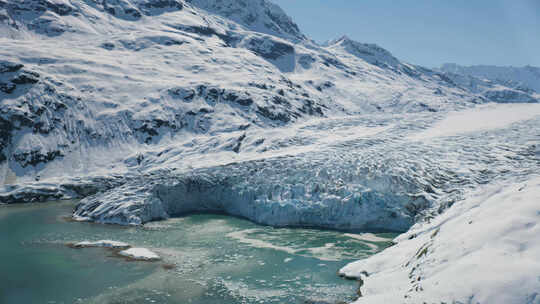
(150, 109)
(387, 178)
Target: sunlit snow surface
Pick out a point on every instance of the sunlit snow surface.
(483, 250)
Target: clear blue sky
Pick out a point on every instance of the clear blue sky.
(429, 32)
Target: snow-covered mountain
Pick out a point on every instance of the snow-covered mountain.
(259, 16)
(148, 109)
(494, 89)
(85, 75)
(527, 77)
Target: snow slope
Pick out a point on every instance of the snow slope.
(483, 250)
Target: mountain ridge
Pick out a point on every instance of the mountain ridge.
(527, 76)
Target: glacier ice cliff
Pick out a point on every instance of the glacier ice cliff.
(383, 179)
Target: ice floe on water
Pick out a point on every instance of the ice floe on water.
(141, 254)
(366, 237)
(242, 236)
(326, 250)
(102, 243)
(121, 248)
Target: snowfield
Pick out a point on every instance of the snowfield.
(148, 109)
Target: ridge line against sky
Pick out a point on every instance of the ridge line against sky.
(429, 32)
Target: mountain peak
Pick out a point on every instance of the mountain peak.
(257, 15)
(369, 52)
(339, 40)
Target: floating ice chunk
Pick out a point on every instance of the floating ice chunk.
(140, 254)
(102, 243)
(370, 237)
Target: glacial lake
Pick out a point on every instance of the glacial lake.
(206, 259)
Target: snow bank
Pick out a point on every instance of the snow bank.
(483, 250)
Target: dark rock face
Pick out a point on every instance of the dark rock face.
(108, 46)
(31, 14)
(33, 158)
(509, 96)
(5, 137)
(26, 78)
(7, 88)
(446, 79)
(227, 38)
(311, 109)
(269, 48)
(122, 9)
(34, 14)
(40, 6)
(134, 10)
(271, 114)
(61, 9)
(9, 67)
(329, 61)
(162, 4)
(325, 85)
(154, 7)
(150, 128)
(8, 124)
